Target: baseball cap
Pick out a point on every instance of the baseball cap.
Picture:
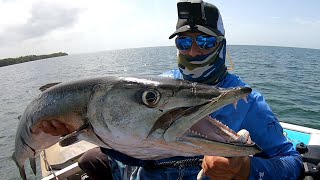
(212, 26)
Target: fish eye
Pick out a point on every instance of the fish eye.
(151, 97)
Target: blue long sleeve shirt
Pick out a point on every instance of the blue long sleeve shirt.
(278, 159)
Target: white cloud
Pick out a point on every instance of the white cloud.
(45, 18)
(54, 24)
(13, 13)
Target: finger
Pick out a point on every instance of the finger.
(228, 171)
(222, 161)
(66, 127)
(57, 124)
(61, 128)
(204, 164)
(48, 128)
(218, 174)
(234, 164)
(217, 167)
(218, 162)
(38, 129)
(70, 128)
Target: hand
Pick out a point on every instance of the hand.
(54, 128)
(216, 167)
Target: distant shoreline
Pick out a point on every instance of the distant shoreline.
(22, 59)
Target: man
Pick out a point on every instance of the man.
(201, 58)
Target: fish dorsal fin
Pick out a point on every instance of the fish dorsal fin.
(47, 86)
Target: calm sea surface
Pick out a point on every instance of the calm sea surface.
(287, 77)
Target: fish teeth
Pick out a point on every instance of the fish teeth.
(197, 133)
(221, 124)
(235, 104)
(245, 99)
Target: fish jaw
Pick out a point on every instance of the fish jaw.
(215, 138)
(185, 122)
(207, 135)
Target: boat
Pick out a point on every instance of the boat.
(59, 162)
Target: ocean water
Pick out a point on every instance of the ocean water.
(287, 77)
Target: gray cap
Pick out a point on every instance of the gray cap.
(213, 25)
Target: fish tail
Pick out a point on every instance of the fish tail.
(20, 166)
(33, 165)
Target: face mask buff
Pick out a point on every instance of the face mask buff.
(208, 69)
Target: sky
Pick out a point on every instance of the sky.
(37, 27)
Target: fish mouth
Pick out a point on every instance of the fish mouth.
(193, 123)
(166, 120)
(209, 129)
(212, 137)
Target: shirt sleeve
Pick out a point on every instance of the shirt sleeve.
(278, 159)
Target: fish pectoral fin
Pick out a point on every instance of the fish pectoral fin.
(72, 138)
(68, 140)
(47, 86)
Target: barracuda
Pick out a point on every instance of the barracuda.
(146, 118)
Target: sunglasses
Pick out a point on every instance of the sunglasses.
(184, 43)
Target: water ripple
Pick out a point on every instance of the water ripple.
(287, 77)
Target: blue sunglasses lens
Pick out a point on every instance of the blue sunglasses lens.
(203, 41)
(206, 42)
(184, 43)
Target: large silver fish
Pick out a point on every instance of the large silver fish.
(146, 118)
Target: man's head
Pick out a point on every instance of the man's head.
(200, 41)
